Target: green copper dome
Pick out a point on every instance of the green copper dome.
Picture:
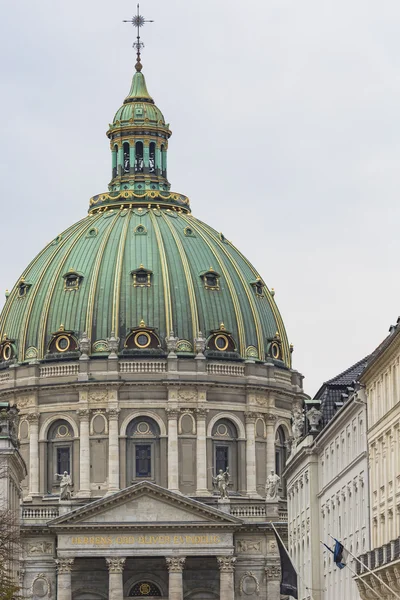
(141, 265)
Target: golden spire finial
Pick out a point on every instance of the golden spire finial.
(142, 323)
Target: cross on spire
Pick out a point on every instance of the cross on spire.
(138, 21)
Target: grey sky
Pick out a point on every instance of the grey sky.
(286, 137)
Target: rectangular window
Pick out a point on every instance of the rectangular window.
(221, 458)
(63, 460)
(143, 460)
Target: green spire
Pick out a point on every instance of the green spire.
(138, 89)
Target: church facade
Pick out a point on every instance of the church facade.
(146, 356)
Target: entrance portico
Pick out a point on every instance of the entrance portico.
(145, 541)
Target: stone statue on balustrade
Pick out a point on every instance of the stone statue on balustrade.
(221, 482)
(65, 486)
(272, 486)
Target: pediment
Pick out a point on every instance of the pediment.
(145, 504)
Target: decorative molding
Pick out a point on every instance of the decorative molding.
(46, 587)
(175, 564)
(40, 548)
(188, 395)
(116, 565)
(242, 583)
(64, 565)
(98, 396)
(226, 563)
(248, 546)
(273, 572)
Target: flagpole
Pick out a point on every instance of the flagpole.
(354, 573)
(297, 573)
(370, 571)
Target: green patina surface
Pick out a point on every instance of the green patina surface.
(106, 246)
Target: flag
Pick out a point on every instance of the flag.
(289, 575)
(340, 555)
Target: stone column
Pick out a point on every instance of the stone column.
(270, 462)
(113, 450)
(251, 453)
(84, 454)
(33, 419)
(175, 566)
(201, 453)
(173, 459)
(226, 577)
(64, 568)
(115, 578)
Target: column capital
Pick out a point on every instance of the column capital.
(271, 418)
(113, 413)
(115, 565)
(175, 564)
(64, 565)
(201, 412)
(273, 571)
(172, 413)
(251, 416)
(33, 417)
(83, 414)
(226, 563)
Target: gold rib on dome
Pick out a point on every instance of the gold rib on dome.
(165, 275)
(118, 275)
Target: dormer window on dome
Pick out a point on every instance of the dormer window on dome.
(221, 340)
(258, 287)
(141, 277)
(210, 279)
(274, 347)
(63, 341)
(72, 280)
(23, 288)
(7, 349)
(142, 338)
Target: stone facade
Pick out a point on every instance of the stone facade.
(327, 483)
(96, 414)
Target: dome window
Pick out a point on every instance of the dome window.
(140, 230)
(7, 350)
(188, 231)
(23, 288)
(142, 338)
(63, 341)
(274, 348)
(221, 340)
(210, 279)
(72, 280)
(258, 287)
(141, 277)
(92, 232)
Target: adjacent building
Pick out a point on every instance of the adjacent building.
(327, 487)
(381, 383)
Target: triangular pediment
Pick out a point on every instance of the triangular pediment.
(145, 504)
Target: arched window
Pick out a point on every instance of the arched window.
(280, 457)
(127, 160)
(143, 450)
(139, 157)
(152, 157)
(224, 436)
(145, 588)
(115, 161)
(59, 453)
(163, 161)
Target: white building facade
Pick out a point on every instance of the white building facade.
(327, 490)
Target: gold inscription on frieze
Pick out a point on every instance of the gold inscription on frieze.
(140, 540)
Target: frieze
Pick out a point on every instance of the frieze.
(40, 548)
(248, 546)
(141, 540)
(95, 396)
(187, 395)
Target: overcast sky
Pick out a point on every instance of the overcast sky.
(286, 137)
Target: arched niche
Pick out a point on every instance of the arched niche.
(144, 413)
(186, 424)
(48, 422)
(142, 450)
(224, 437)
(232, 417)
(60, 453)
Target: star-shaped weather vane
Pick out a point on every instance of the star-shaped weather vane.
(138, 21)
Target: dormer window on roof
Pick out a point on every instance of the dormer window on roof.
(72, 280)
(23, 288)
(141, 277)
(210, 279)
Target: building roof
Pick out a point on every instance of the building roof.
(330, 393)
